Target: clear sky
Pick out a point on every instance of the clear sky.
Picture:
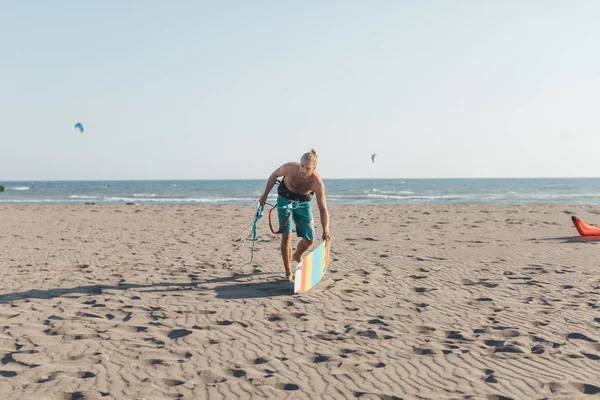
(233, 89)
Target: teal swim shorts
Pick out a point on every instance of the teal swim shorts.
(302, 216)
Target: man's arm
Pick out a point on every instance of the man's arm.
(281, 171)
(322, 203)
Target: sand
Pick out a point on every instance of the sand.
(442, 302)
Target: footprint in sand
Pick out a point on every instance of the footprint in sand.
(455, 335)
(287, 386)
(173, 382)
(320, 359)
(79, 375)
(238, 373)
(211, 377)
(88, 394)
(508, 349)
(425, 352)
(369, 333)
(509, 333)
(178, 333)
(377, 321)
(591, 356)
(494, 343)
(586, 388)
(537, 349)
(580, 336)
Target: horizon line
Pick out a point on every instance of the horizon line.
(264, 179)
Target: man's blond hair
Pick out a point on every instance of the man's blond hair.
(310, 156)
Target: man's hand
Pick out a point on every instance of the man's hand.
(263, 199)
(326, 236)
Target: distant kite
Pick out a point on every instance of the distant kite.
(373, 157)
(79, 126)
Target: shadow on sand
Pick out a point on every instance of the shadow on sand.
(252, 290)
(574, 239)
(233, 291)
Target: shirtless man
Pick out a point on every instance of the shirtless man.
(300, 181)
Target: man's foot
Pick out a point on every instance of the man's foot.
(289, 274)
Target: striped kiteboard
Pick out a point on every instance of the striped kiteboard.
(311, 269)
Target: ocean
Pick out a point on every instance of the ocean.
(338, 191)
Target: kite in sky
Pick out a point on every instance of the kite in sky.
(79, 126)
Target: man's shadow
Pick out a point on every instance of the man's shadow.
(239, 290)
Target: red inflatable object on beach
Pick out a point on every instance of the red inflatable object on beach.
(584, 228)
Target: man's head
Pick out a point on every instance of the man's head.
(308, 163)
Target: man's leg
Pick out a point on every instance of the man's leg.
(303, 245)
(286, 235)
(286, 254)
(304, 227)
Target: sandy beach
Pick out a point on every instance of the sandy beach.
(441, 302)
